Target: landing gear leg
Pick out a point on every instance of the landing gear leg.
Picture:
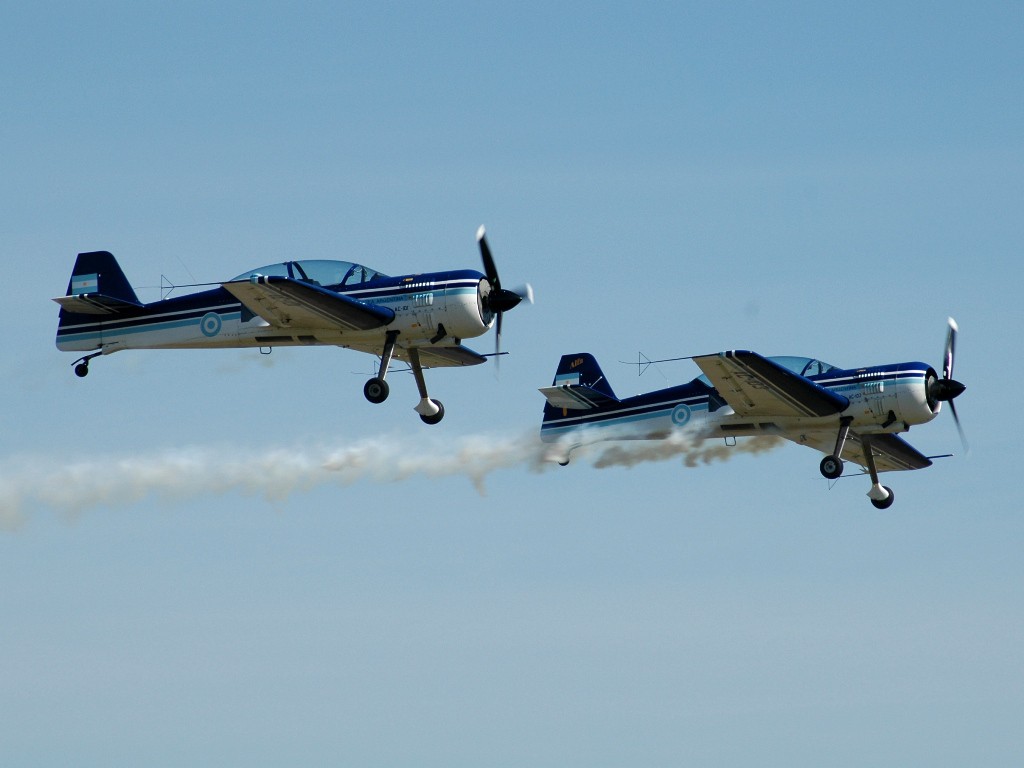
(376, 389)
(881, 496)
(832, 466)
(430, 411)
(82, 364)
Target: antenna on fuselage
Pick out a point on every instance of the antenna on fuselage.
(166, 287)
(643, 362)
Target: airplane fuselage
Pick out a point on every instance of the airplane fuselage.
(217, 319)
(882, 399)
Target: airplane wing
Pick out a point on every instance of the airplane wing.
(443, 357)
(288, 303)
(891, 452)
(755, 386)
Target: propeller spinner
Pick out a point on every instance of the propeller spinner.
(947, 388)
(498, 300)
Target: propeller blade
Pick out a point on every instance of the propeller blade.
(497, 344)
(490, 270)
(947, 389)
(947, 361)
(960, 429)
(524, 292)
(497, 299)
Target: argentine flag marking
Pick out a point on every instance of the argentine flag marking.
(84, 284)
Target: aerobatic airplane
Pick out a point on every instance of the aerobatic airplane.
(420, 318)
(851, 414)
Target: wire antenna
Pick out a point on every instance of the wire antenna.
(643, 362)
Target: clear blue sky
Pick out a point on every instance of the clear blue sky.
(673, 178)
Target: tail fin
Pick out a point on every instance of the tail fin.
(579, 385)
(582, 369)
(97, 286)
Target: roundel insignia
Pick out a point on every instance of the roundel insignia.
(210, 324)
(680, 415)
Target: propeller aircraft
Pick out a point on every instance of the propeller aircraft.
(848, 414)
(420, 318)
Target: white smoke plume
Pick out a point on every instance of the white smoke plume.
(691, 448)
(180, 474)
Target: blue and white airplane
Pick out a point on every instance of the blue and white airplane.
(420, 318)
(851, 414)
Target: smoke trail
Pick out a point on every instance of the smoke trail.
(277, 473)
(692, 448)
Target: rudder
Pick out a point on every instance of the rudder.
(578, 391)
(99, 272)
(97, 286)
(582, 369)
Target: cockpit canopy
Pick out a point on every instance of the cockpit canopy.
(804, 366)
(319, 271)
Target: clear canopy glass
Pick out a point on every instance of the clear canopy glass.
(319, 271)
(805, 366)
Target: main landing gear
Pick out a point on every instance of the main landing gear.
(881, 496)
(376, 390)
(831, 466)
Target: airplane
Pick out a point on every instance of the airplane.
(418, 318)
(848, 414)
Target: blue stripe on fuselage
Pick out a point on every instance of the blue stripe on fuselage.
(619, 418)
(143, 325)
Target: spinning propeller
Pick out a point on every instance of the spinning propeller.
(947, 388)
(498, 300)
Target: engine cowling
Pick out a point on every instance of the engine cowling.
(915, 402)
(468, 313)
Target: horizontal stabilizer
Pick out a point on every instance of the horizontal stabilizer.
(95, 304)
(576, 397)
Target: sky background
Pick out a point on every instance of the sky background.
(673, 179)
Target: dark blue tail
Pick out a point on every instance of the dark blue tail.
(97, 287)
(98, 272)
(579, 386)
(582, 369)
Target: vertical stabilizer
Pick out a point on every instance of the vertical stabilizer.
(97, 287)
(98, 272)
(582, 370)
(578, 392)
